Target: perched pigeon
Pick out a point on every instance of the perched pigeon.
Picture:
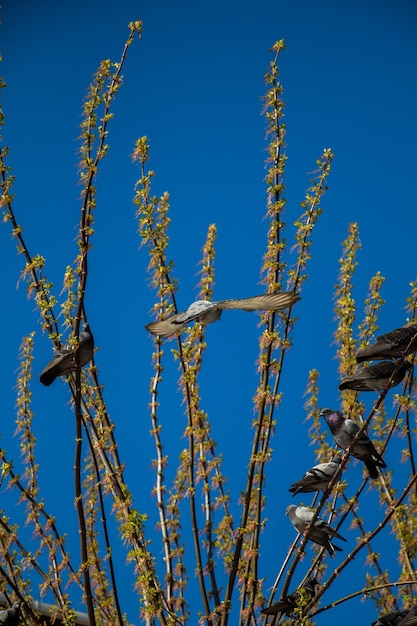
(398, 618)
(286, 606)
(301, 516)
(344, 430)
(207, 312)
(10, 617)
(64, 360)
(375, 377)
(317, 478)
(392, 345)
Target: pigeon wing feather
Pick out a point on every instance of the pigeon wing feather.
(165, 328)
(265, 302)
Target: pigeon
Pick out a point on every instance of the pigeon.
(285, 607)
(392, 345)
(207, 312)
(64, 360)
(10, 617)
(301, 516)
(398, 618)
(344, 430)
(375, 377)
(317, 478)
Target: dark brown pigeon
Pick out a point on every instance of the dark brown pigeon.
(64, 360)
(398, 618)
(375, 377)
(207, 312)
(392, 345)
(286, 606)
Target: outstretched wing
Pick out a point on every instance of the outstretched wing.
(265, 302)
(167, 327)
(202, 309)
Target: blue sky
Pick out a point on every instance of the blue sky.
(194, 86)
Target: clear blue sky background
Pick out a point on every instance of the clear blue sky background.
(194, 86)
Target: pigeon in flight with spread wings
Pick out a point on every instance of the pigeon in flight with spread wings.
(207, 312)
(64, 361)
(376, 377)
(392, 345)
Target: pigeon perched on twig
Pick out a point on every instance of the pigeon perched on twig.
(344, 430)
(392, 345)
(10, 617)
(64, 360)
(301, 516)
(207, 312)
(375, 377)
(398, 618)
(285, 607)
(317, 478)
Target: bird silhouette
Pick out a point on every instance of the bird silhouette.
(285, 607)
(10, 617)
(317, 478)
(64, 360)
(398, 618)
(344, 430)
(393, 345)
(376, 377)
(321, 533)
(206, 312)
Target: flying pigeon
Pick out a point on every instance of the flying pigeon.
(317, 478)
(344, 430)
(285, 607)
(392, 345)
(301, 516)
(207, 312)
(398, 618)
(375, 377)
(10, 617)
(64, 360)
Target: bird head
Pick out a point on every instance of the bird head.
(312, 584)
(330, 413)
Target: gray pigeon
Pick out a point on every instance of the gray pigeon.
(317, 478)
(285, 607)
(398, 618)
(392, 345)
(375, 377)
(344, 430)
(10, 617)
(207, 312)
(301, 516)
(64, 360)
